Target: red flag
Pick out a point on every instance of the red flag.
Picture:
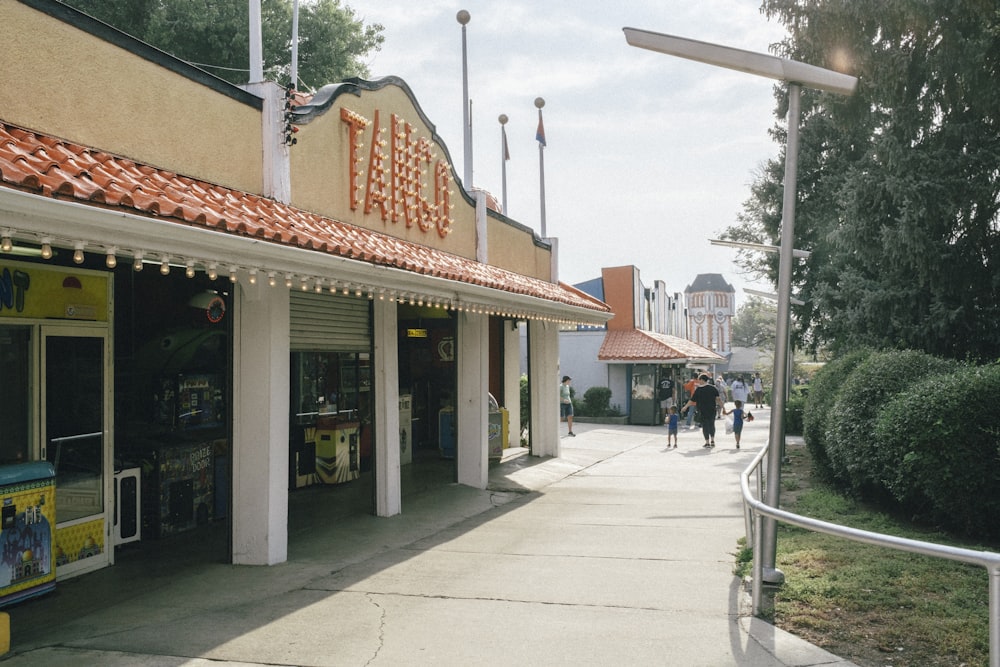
(540, 132)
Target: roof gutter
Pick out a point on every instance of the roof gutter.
(33, 217)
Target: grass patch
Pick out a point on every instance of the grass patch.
(875, 606)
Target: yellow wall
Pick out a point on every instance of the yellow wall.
(61, 80)
(321, 169)
(64, 81)
(513, 248)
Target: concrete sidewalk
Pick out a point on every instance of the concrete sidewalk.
(619, 552)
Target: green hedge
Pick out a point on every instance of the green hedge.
(596, 403)
(945, 438)
(912, 432)
(856, 456)
(824, 389)
(793, 414)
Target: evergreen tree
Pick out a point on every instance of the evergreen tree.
(898, 184)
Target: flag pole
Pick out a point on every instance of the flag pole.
(464, 17)
(504, 156)
(295, 45)
(540, 136)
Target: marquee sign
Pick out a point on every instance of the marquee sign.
(407, 184)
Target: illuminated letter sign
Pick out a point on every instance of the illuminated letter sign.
(418, 187)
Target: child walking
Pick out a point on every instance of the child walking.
(738, 415)
(673, 420)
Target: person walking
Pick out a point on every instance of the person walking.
(566, 403)
(672, 421)
(737, 414)
(689, 388)
(739, 389)
(666, 395)
(758, 391)
(720, 385)
(707, 400)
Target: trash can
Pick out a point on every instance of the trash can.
(499, 427)
(446, 432)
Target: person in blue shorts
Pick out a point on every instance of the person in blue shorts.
(673, 419)
(566, 403)
(738, 417)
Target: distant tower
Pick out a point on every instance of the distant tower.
(711, 305)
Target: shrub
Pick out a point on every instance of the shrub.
(944, 438)
(793, 414)
(855, 453)
(596, 402)
(823, 392)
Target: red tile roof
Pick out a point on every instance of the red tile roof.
(60, 169)
(646, 346)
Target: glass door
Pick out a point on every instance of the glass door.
(16, 413)
(75, 393)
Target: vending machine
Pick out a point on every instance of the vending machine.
(405, 429)
(27, 523)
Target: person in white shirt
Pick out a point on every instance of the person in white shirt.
(758, 391)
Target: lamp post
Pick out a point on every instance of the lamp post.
(463, 17)
(796, 75)
(540, 136)
(504, 156)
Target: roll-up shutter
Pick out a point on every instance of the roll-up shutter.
(330, 323)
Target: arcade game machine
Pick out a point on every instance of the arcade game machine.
(330, 434)
(27, 521)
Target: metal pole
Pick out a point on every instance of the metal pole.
(994, 573)
(256, 44)
(539, 102)
(504, 156)
(776, 434)
(295, 45)
(464, 17)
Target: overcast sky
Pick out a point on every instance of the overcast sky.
(648, 156)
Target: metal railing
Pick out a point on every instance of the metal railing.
(754, 511)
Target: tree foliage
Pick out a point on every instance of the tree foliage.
(897, 191)
(754, 324)
(215, 36)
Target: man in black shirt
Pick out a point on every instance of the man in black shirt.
(707, 400)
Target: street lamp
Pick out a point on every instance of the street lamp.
(796, 75)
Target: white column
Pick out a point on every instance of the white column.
(543, 354)
(260, 425)
(388, 494)
(276, 157)
(511, 398)
(472, 404)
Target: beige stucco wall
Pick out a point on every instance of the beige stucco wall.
(320, 170)
(514, 249)
(61, 80)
